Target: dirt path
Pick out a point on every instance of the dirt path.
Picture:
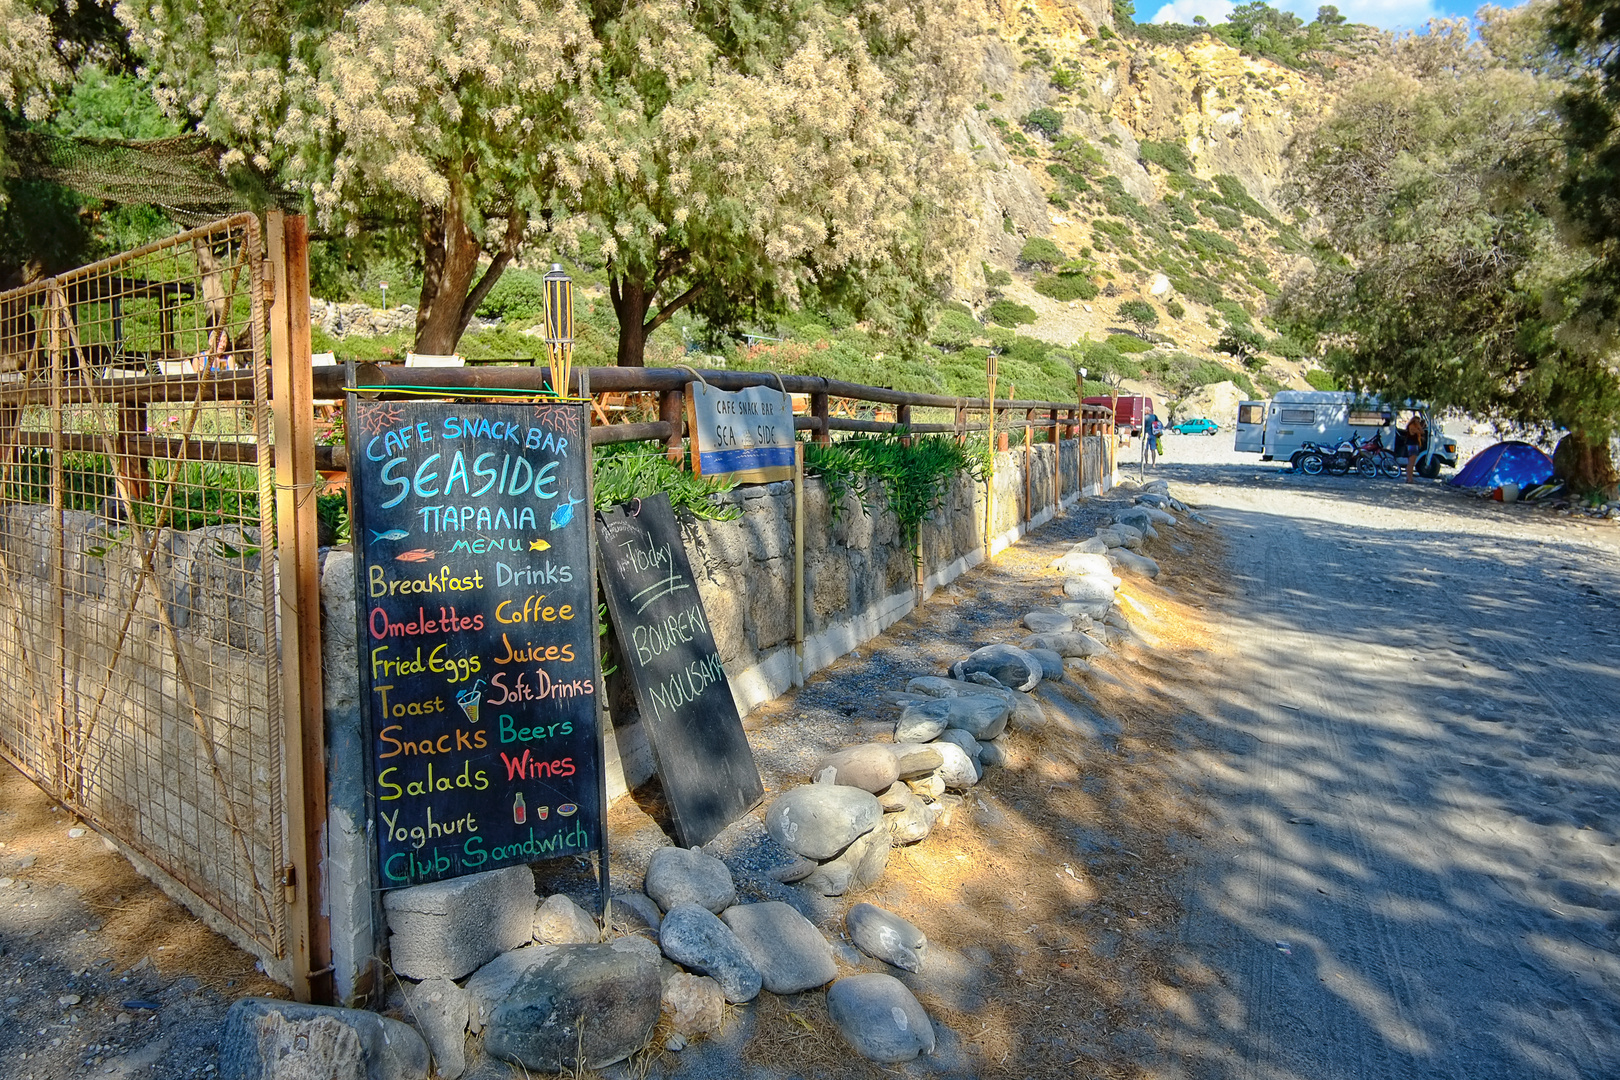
(1413, 769)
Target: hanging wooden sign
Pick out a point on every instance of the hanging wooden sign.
(478, 643)
(745, 436)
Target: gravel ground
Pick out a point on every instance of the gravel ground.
(1413, 773)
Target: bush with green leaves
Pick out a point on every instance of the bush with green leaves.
(1169, 156)
(1235, 195)
(1236, 314)
(1140, 314)
(995, 277)
(1011, 313)
(1046, 120)
(625, 471)
(1175, 309)
(1241, 341)
(518, 295)
(1125, 343)
(1066, 287)
(1322, 380)
(954, 329)
(1041, 252)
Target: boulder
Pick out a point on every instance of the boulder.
(1091, 590)
(1079, 564)
(492, 982)
(909, 823)
(959, 771)
(1047, 621)
(1136, 564)
(992, 754)
(922, 722)
(1136, 517)
(453, 927)
(582, 1007)
(885, 936)
(560, 921)
(934, 686)
(1158, 516)
(958, 737)
(694, 1004)
(633, 912)
(1070, 644)
(1005, 664)
(897, 797)
(868, 766)
(983, 716)
(1086, 609)
(820, 820)
(271, 1039)
(1096, 545)
(1027, 714)
(1051, 662)
(859, 867)
(789, 953)
(678, 876)
(916, 759)
(880, 1018)
(1162, 487)
(1111, 538)
(438, 1009)
(931, 786)
(694, 937)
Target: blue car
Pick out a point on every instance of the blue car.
(1198, 426)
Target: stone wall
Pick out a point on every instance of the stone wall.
(859, 579)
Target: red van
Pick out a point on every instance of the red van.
(1129, 411)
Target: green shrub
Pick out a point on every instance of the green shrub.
(1010, 313)
(1220, 215)
(1236, 314)
(1175, 310)
(1181, 214)
(1041, 252)
(517, 295)
(954, 329)
(1125, 343)
(995, 277)
(1205, 242)
(1066, 287)
(1235, 195)
(1169, 156)
(1322, 380)
(1140, 314)
(1129, 267)
(1046, 120)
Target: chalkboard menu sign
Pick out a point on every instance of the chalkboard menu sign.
(691, 720)
(478, 645)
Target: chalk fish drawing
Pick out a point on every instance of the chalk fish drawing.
(565, 513)
(416, 555)
(539, 545)
(391, 534)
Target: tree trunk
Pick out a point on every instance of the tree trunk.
(1585, 465)
(631, 299)
(450, 255)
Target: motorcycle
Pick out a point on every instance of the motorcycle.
(1311, 458)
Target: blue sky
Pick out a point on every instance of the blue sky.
(1389, 14)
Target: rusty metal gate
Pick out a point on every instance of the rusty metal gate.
(138, 596)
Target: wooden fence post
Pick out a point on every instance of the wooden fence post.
(299, 598)
(672, 411)
(818, 409)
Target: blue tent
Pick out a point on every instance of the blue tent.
(1505, 463)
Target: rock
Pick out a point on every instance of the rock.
(1111, 538)
(1027, 714)
(599, 1002)
(885, 936)
(560, 921)
(1003, 663)
(270, 1039)
(992, 754)
(898, 796)
(959, 771)
(438, 1009)
(1092, 589)
(678, 876)
(1070, 644)
(1136, 517)
(859, 867)
(492, 982)
(868, 766)
(635, 911)
(929, 787)
(820, 820)
(1080, 564)
(1130, 536)
(694, 937)
(694, 1004)
(797, 870)
(452, 927)
(958, 737)
(1051, 662)
(1154, 499)
(983, 716)
(1096, 545)
(910, 823)
(1116, 619)
(934, 686)
(916, 759)
(1158, 516)
(880, 1018)
(1162, 487)
(922, 722)
(1045, 621)
(1137, 564)
(1085, 609)
(789, 953)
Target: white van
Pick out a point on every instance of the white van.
(1276, 429)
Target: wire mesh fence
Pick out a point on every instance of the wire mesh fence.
(137, 569)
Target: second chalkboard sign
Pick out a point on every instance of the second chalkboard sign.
(690, 717)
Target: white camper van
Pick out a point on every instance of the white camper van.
(1276, 429)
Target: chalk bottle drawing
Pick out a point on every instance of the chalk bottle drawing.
(518, 811)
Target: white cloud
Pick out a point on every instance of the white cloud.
(1388, 14)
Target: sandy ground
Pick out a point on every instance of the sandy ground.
(1411, 767)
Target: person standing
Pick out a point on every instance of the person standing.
(1153, 432)
(1417, 436)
